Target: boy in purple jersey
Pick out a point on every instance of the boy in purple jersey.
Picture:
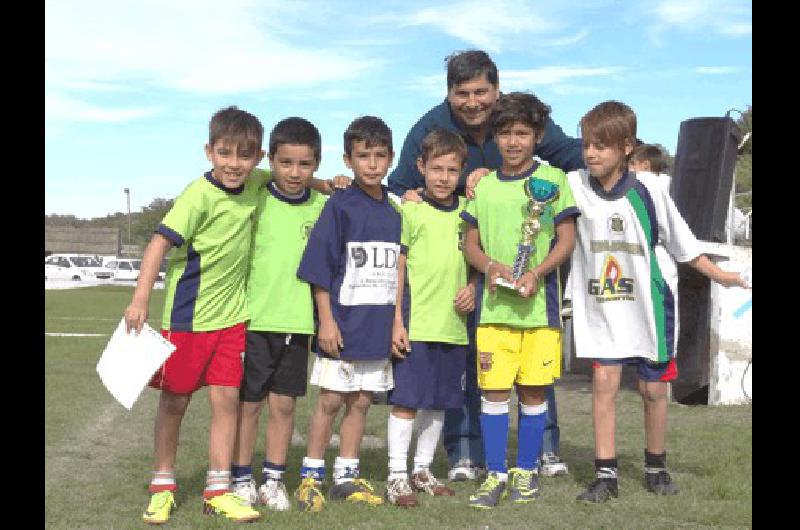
(351, 262)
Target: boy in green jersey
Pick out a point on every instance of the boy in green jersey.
(519, 329)
(429, 340)
(281, 310)
(210, 225)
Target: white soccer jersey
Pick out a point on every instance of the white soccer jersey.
(622, 306)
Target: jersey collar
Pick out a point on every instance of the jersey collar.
(236, 191)
(273, 189)
(620, 188)
(439, 206)
(525, 174)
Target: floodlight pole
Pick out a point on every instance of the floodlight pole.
(128, 196)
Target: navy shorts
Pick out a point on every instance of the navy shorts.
(647, 370)
(274, 362)
(431, 377)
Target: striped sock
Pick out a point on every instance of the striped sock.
(272, 471)
(313, 467)
(241, 474)
(606, 468)
(345, 470)
(217, 483)
(163, 481)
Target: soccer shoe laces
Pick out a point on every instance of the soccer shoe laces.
(522, 480)
(489, 484)
(158, 500)
(363, 483)
(399, 487)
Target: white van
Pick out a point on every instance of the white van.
(123, 268)
(73, 267)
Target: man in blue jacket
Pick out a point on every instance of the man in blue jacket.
(472, 90)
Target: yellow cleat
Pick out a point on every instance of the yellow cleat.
(232, 506)
(357, 490)
(308, 496)
(160, 506)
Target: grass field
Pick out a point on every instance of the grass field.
(98, 455)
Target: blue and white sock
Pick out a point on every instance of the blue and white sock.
(272, 471)
(313, 467)
(494, 426)
(530, 434)
(241, 474)
(345, 469)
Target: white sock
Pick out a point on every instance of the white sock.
(345, 469)
(399, 440)
(429, 428)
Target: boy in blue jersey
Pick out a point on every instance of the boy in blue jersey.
(281, 310)
(351, 262)
(623, 306)
(205, 309)
(519, 330)
(430, 332)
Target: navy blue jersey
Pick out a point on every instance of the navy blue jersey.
(352, 253)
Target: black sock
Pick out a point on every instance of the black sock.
(654, 463)
(606, 468)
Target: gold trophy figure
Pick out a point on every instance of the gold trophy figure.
(540, 193)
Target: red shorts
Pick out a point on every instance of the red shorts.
(202, 358)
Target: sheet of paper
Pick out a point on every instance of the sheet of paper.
(130, 360)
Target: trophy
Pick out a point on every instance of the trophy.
(540, 193)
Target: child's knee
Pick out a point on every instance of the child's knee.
(329, 403)
(283, 407)
(653, 391)
(361, 403)
(174, 404)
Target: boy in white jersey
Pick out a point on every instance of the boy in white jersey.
(519, 329)
(205, 309)
(281, 310)
(429, 340)
(623, 310)
(351, 262)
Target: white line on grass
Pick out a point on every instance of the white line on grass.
(77, 334)
(84, 318)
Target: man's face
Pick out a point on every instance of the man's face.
(472, 101)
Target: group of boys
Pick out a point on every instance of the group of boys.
(265, 268)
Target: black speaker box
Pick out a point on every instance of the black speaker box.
(703, 174)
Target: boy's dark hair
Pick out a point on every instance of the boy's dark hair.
(467, 65)
(521, 107)
(239, 126)
(610, 123)
(369, 129)
(652, 154)
(295, 131)
(440, 142)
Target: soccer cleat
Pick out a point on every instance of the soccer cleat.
(247, 491)
(160, 506)
(356, 490)
(600, 490)
(232, 506)
(424, 480)
(660, 483)
(308, 497)
(489, 494)
(463, 470)
(399, 493)
(523, 485)
(551, 465)
(272, 494)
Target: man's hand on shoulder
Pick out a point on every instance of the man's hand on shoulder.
(413, 195)
(473, 179)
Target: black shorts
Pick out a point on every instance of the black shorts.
(274, 362)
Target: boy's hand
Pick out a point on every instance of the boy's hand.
(339, 182)
(472, 181)
(498, 270)
(465, 299)
(135, 317)
(732, 279)
(400, 345)
(412, 195)
(528, 284)
(329, 338)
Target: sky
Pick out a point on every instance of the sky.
(130, 85)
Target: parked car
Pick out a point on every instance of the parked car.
(124, 269)
(73, 267)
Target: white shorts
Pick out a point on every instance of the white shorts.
(352, 376)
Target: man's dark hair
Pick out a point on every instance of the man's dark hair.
(369, 129)
(467, 65)
(521, 107)
(440, 142)
(295, 131)
(238, 126)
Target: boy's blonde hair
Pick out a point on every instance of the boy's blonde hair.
(610, 123)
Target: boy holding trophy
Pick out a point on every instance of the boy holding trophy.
(519, 331)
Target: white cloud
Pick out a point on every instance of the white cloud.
(60, 107)
(198, 46)
(725, 17)
(550, 76)
(716, 70)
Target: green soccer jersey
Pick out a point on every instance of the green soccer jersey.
(211, 226)
(498, 210)
(277, 299)
(436, 270)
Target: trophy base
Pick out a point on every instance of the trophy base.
(502, 282)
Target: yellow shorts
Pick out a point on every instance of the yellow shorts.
(528, 357)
